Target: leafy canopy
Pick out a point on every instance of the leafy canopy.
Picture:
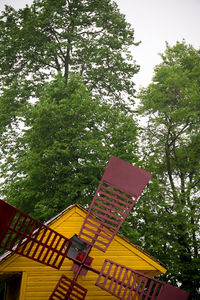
(60, 157)
(168, 216)
(88, 37)
(66, 79)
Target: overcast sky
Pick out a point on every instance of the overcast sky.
(154, 22)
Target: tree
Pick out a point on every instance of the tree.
(168, 215)
(88, 37)
(64, 129)
(62, 152)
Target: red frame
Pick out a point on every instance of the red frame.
(118, 191)
(128, 284)
(68, 289)
(34, 240)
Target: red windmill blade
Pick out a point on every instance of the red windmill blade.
(128, 284)
(118, 191)
(68, 289)
(34, 240)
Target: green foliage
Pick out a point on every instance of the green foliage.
(53, 152)
(60, 157)
(88, 37)
(168, 214)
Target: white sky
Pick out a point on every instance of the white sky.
(154, 22)
(157, 21)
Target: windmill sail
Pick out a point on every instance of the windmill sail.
(118, 191)
(68, 289)
(126, 284)
(26, 236)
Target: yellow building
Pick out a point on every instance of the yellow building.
(29, 280)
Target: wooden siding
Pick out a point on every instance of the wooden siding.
(38, 281)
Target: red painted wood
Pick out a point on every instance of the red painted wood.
(172, 293)
(117, 193)
(126, 177)
(126, 284)
(26, 236)
(87, 262)
(68, 289)
(6, 215)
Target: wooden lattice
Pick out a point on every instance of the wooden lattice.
(118, 191)
(26, 236)
(128, 284)
(68, 289)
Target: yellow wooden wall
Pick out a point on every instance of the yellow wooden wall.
(38, 281)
